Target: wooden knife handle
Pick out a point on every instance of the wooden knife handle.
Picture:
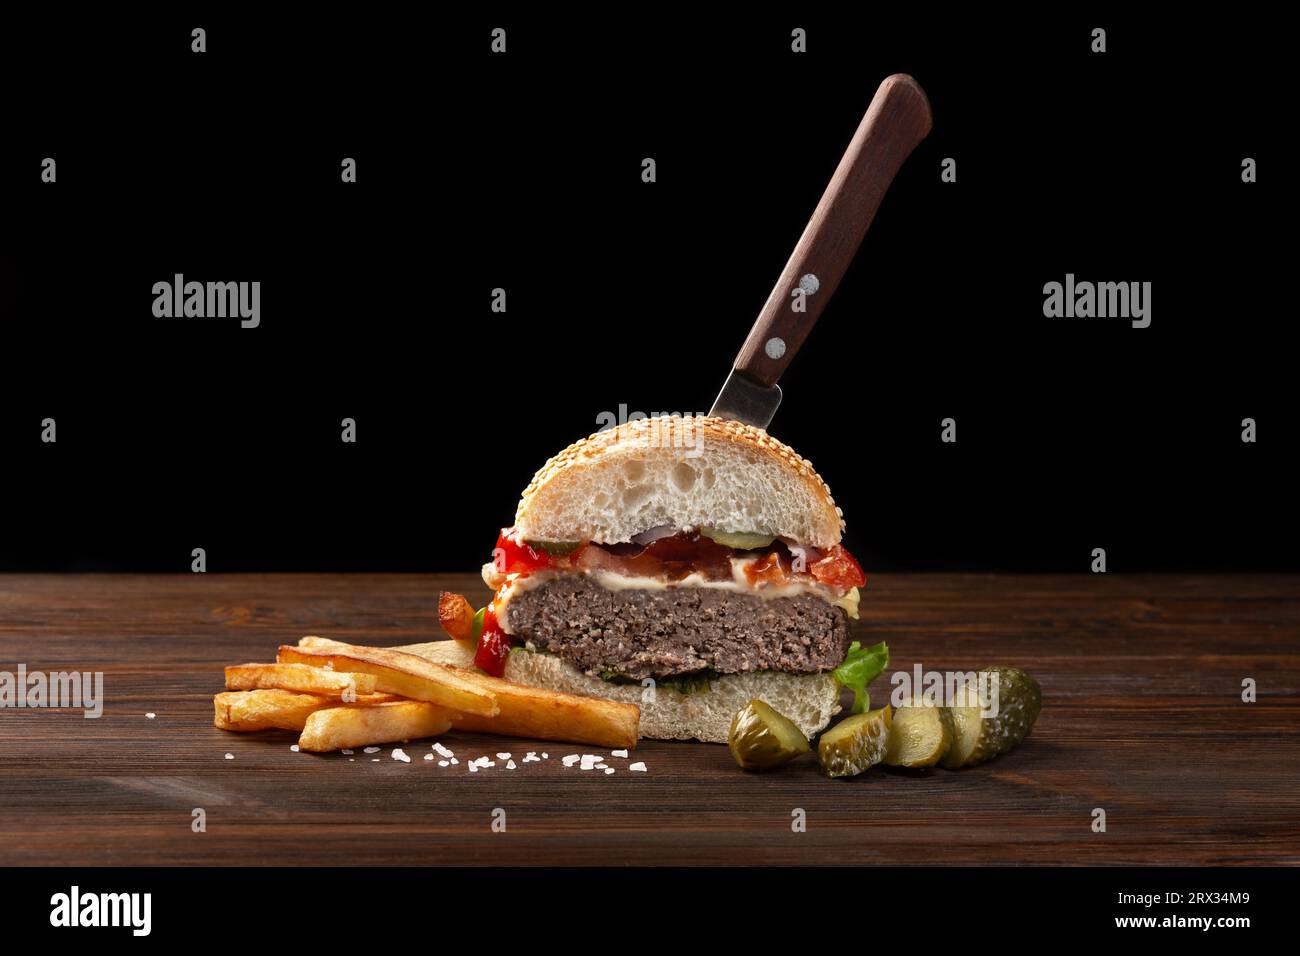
(896, 121)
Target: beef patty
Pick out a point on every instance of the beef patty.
(680, 630)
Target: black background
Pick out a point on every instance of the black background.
(522, 171)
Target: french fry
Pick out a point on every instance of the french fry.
(265, 708)
(535, 712)
(299, 677)
(272, 708)
(397, 673)
(334, 728)
(455, 615)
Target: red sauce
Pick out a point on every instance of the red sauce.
(675, 557)
(493, 646)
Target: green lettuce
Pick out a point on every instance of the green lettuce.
(860, 668)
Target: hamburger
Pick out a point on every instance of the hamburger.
(688, 565)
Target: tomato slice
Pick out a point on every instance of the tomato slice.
(513, 556)
(771, 568)
(838, 569)
(493, 646)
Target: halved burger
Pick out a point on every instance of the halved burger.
(688, 565)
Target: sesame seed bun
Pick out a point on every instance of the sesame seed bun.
(684, 472)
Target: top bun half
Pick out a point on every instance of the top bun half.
(684, 472)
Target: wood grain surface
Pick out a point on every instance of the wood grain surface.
(1142, 716)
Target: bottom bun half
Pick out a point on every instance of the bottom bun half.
(810, 700)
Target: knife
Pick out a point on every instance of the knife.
(896, 121)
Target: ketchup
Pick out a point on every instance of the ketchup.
(677, 556)
(493, 646)
(513, 556)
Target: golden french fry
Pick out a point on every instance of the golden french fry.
(455, 615)
(266, 708)
(536, 712)
(334, 728)
(398, 673)
(298, 677)
(271, 708)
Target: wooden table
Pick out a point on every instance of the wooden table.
(1142, 717)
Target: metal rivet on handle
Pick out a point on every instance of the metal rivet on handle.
(775, 348)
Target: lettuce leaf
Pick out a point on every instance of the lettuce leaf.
(861, 666)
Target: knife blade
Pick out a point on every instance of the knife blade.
(896, 121)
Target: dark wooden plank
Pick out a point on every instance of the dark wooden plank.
(1142, 716)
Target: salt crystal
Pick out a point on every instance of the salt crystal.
(638, 767)
(293, 747)
(443, 763)
(230, 756)
(151, 715)
(510, 765)
(609, 770)
(349, 751)
(618, 753)
(400, 754)
(570, 760)
(371, 750)
(428, 756)
(503, 756)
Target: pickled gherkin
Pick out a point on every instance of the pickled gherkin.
(762, 737)
(919, 736)
(855, 743)
(977, 737)
(557, 549)
(739, 540)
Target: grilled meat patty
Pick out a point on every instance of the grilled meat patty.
(678, 630)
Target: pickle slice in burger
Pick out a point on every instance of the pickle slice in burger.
(762, 737)
(738, 540)
(556, 549)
